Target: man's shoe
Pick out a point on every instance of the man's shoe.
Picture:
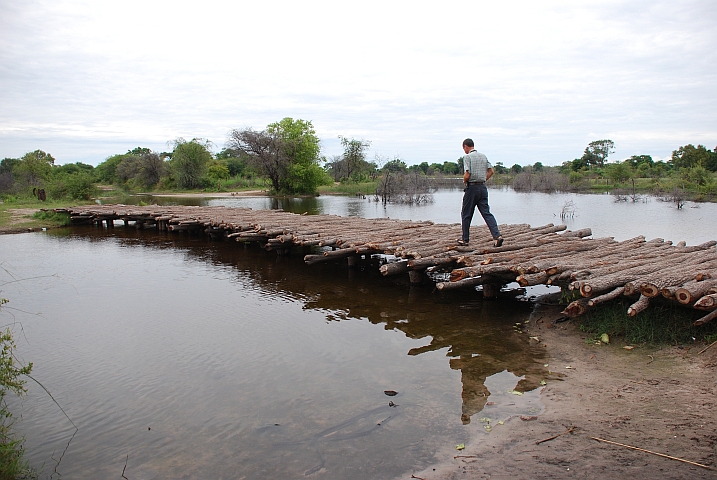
(462, 242)
(498, 242)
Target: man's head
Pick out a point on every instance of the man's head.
(468, 145)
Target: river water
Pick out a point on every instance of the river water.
(179, 357)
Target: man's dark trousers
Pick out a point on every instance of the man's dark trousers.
(476, 195)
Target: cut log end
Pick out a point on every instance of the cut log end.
(638, 306)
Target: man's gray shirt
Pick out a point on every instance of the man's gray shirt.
(477, 164)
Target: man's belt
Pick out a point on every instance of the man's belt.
(475, 183)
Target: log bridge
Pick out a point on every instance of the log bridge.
(595, 269)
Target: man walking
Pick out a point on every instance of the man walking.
(477, 171)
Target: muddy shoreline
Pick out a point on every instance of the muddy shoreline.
(662, 400)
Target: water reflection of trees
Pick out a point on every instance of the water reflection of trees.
(478, 337)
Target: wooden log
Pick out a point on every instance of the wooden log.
(642, 303)
(562, 278)
(685, 271)
(585, 232)
(422, 263)
(606, 297)
(707, 318)
(311, 259)
(340, 253)
(393, 268)
(707, 302)
(619, 278)
(461, 284)
(690, 292)
(532, 279)
(461, 273)
(576, 308)
(285, 238)
(591, 286)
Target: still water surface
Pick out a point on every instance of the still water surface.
(177, 357)
(695, 222)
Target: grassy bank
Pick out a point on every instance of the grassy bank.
(21, 215)
(365, 188)
(664, 324)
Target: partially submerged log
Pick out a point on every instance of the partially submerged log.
(466, 283)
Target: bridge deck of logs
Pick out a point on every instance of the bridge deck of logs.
(600, 269)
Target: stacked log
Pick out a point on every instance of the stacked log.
(599, 269)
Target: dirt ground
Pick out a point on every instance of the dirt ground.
(658, 400)
(18, 219)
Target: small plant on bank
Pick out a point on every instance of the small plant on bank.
(52, 216)
(658, 325)
(12, 464)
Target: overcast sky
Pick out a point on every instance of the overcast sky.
(527, 80)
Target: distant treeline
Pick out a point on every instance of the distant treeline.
(285, 158)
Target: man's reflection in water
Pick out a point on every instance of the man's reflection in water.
(475, 393)
(499, 352)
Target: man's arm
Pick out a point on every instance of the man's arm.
(466, 176)
(488, 174)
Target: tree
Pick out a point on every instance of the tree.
(139, 151)
(73, 168)
(354, 154)
(516, 168)
(619, 172)
(711, 164)
(636, 160)
(287, 153)
(395, 165)
(690, 156)
(189, 161)
(151, 168)
(596, 152)
(218, 170)
(8, 164)
(538, 166)
(500, 168)
(35, 166)
(450, 168)
(107, 171)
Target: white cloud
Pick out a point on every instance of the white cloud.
(527, 80)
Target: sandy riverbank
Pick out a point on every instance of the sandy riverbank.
(659, 400)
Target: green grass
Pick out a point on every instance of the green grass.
(33, 218)
(12, 462)
(12, 379)
(658, 325)
(365, 188)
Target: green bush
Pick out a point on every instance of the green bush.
(77, 186)
(12, 464)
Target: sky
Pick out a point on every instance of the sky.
(529, 81)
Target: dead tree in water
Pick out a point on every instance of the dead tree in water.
(399, 187)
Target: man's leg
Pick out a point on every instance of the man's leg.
(484, 210)
(467, 212)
